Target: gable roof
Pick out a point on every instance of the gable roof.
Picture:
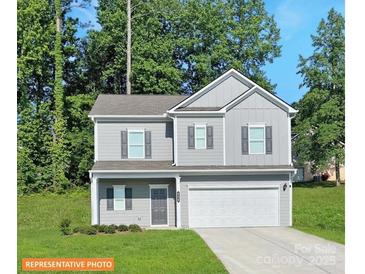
(253, 87)
(112, 105)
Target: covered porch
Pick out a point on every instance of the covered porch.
(149, 199)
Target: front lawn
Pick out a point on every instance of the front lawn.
(319, 209)
(152, 251)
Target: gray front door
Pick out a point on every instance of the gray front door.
(159, 206)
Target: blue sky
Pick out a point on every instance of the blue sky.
(297, 20)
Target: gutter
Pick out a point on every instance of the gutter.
(192, 171)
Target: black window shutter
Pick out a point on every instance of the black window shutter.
(268, 141)
(147, 145)
(191, 137)
(244, 139)
(209, 137)
(124, 137)
(110, 199)
(128, 198)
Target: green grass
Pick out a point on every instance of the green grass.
(319, 209)
(152, 251)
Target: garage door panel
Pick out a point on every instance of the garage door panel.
(233, 207)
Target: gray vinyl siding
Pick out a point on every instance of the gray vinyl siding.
(191, 157)
(256, 109)
(221, 94)
(109, 139)
(141, 212)
(247, 180)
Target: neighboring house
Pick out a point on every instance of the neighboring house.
(305, 174)
(218, 158)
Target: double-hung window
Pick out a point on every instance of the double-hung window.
(119, 197)
(135, 143)
(256, 140)
(200, 137)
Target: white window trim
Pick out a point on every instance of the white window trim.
(143, 143)
(249, 139)
(205, 136)
(114, 188)
(166, 186)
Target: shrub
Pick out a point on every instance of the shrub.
(77, 229)
(102, 228)
(88, 230)
(65, 227)
(96, 227)
(65, 223)
(66, 231)
(135, 228)
(122, 228)
(110, 229)
(114, 226)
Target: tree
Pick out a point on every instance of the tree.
(36, 99)
(60, 154)
(220, 35)
(179, 46)
(320, 123)
(35, 36)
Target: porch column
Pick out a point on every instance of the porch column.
(178, 202)
(94, 201)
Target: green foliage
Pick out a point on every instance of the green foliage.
(96, 227)
(77, 229)
(122, 228)
(65, 223)
(134, 228)
(110, 230)
(47, 141)
(320, 123)
(88, 230)
(60, 155)
(180, 46)
(65, 227)
(102, 228)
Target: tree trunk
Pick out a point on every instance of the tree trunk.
(337, 166)
(129, 47)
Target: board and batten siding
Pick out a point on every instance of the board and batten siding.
(239, 180)
(109, 139)
(222, 94)
(192, 157)
(141, 210)
(259, 110)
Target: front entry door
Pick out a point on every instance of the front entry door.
(159, 206)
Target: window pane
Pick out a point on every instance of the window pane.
(136, 138)
(200, 132)
(257, 133)
(256, 147)
(119, 201)
(200, 143)
(135, 151)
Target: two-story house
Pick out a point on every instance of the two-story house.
(218, 158)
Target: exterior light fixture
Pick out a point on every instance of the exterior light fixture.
(285, 186)
(178, 196)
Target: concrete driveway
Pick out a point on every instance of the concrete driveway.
(274, 250)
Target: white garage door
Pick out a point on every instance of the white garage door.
(233, 207)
